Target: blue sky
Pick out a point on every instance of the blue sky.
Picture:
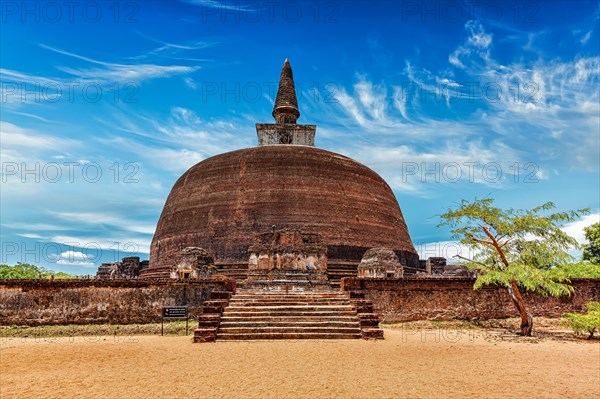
(105, 104)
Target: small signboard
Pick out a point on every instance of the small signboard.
(174, 312)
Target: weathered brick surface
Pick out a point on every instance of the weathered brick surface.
(221, 204)
(202, 334)
(454, 298)
(40, 302)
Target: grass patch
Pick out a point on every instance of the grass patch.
(173, 328)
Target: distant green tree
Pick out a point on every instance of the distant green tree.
(589, 322)
(26, 270)
(63, 275)
(591, 251)
(515, 248)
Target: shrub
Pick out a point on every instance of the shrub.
(589, 322)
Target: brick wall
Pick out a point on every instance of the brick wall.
(454, 298)
(40, 302)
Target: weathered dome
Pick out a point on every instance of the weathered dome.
(223, 202)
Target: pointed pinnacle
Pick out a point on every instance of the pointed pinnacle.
(286, 104)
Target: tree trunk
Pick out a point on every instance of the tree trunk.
(526, 319)
(591, 333)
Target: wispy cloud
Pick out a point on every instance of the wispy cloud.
(114, 72)
(556, 102)
(217, 4)
(179, 141)
(175, 47)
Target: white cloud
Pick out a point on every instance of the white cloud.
(86, 217)
(217, 4)
(180, 141)
(73, 258)
(118, 242)
(586, 38)
(14, 136)
(350, 106)
(554, 102)
(575, 229)
(191, 83)
(30, 235)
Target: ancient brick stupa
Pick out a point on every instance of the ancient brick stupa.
(282, 205)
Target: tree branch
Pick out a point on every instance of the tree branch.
(470, 260)
(496, 245)
(481, 241)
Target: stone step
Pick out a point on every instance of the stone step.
(288, 330)
(291, 308)
(228, 313)
(233, 266)
(289, 296)
(372, 333)
(273, 336)
(221, 295)
(288, 323)
(308, 283)
(290, 302)
(297, 287)
(284, 297)
(205, 334)
(288, 319)
(276, 297)
(248, 292)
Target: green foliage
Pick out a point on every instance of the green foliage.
(63, 275)
(577, 270)
(26, 270)
(589, 322)
(515, 244)
(591, 251)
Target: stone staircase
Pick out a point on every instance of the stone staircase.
(269, 315)
(336, 270)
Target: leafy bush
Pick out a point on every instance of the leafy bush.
(589, 322)
(577, 270)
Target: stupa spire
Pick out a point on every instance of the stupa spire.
(285, 131)
(286, 104)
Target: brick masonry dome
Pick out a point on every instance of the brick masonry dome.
(223, 202)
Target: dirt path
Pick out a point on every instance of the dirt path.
(411, 364)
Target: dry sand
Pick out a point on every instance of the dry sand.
(411, 364)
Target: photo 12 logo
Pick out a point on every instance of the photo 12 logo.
(85, 254)
(442, 11)
(471, 172)
(49, 91)
(53, 12)
(252, 12)
(69, 172)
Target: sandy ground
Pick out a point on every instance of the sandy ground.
(407, 364)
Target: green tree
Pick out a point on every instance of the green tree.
(591, 251)
(26, 270)
(515, 248)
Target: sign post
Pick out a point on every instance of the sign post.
(174, 312)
